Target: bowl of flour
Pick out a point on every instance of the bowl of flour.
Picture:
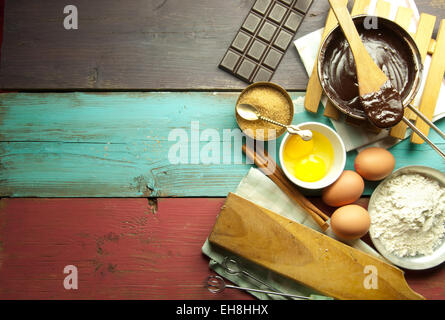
(407, 214)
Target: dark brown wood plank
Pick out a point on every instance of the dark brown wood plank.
(138, 44)
(134, 44)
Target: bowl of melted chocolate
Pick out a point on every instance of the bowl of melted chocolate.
(390, 46)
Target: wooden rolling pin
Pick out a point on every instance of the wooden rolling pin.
(305, 255)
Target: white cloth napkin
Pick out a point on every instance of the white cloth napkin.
(258, 188)
(354, 137)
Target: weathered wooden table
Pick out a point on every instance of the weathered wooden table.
(85, 177)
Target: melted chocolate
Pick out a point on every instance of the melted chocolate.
(390, 51)
(383, 108)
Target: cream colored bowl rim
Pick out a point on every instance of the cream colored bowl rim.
(416, 262)
(323, 182)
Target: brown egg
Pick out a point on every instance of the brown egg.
(350, 222)
(374, 163)
(347, 189)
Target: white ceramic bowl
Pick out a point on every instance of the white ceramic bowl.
(339, 156)
(419, 262)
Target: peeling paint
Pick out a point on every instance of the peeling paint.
(141, 185)
(111, 236)
(152, 205)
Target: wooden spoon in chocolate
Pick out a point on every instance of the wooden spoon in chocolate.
(380, 100)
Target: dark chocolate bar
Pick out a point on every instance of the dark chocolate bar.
(263, 38)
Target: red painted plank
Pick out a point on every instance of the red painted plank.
(123, 249)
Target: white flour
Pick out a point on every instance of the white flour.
(409, 215)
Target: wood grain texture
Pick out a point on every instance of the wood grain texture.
(304, 255)
(403, 18)
(123, 249)
(369, 76)
(432, 46)
(117, 144)
(383, 8)
(359, 7)
(432, 7)
(423, 39)
(2, 15)
(314, 89)
(136, 44)
(424, 33)
(432, 85)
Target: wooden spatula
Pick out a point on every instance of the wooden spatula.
(381, 101)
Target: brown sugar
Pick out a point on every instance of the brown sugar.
(272, 104)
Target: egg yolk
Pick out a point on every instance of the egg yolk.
(308, 161)
(311, 168)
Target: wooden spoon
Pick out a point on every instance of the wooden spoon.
(380, 100)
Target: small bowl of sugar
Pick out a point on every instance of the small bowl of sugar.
(273, 102)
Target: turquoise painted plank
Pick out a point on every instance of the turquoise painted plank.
(407, 154)
(117, 144)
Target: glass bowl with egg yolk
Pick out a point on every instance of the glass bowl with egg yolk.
(308, 161)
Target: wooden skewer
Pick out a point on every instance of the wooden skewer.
(298, 197)
(274, 175)
(270, 163)
(282, 176)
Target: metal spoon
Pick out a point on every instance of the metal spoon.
(251, 113)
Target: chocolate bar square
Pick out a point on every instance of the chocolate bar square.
(283, 39)
(272, 59)
(246, 69)
(264, 36)
(288, 2)
(251, 23)
(230, 60)
(277, 13)
(293, 21)
(267, 31)
(261, 6)
(241, 40)
(257, 49)
(303, 5)
(262, 75)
